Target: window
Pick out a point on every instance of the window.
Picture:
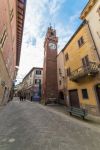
(59, 82)
(98, 35)
(60, 71)
(85, 93)
(80, 42)
(11, 14)
(66, 56)
(85, 60)
(98, 10)
(38, 72)
(3, 37)
(37, 81)
(68, 72)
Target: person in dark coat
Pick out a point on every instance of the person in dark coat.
(20, 96)
(24, 96)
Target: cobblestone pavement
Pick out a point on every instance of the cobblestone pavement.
(31, 126)
(89, 119)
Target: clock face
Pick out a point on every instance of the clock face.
(52, 46)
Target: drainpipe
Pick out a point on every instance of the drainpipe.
(93, 40)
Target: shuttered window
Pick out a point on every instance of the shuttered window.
(80, 41)
(85, 93)
(68, 71)
(11, 14)
(66, 56)
(59, 82)
(37, 81)
(85, 60)
(60, 71)
(3, 37)
(38, 72)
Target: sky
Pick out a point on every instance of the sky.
(63, 15)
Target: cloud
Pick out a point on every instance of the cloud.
(54, 6)
(39, 14)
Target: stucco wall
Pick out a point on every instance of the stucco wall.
(60, 65)
(75, 55)
(94, 22)
(8, 50)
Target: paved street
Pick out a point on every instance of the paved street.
(31, 126)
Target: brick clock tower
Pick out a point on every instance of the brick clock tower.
(50, 87)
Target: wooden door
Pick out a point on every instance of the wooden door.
(74, 99)
(98, 92)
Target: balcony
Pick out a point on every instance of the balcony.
(90, 70)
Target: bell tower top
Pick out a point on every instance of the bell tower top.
(51, 36)
(51, 32)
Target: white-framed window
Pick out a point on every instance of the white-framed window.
(37, 81)
(38, 72)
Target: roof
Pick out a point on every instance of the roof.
(87, 8)
(82, 24)
(20, 16)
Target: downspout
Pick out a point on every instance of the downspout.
(93, 40)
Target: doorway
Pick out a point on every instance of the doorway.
(5, 96)
(98, 94)
(61, 98)
(74, 99)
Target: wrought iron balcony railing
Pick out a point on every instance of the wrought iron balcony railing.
(89, 70)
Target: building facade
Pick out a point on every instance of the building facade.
(5, 82)
(12, 14)
(32, 84)
(92, 14)
(50, 86)
(82, 68)
(61, 79)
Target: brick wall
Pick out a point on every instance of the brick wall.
(50, 86)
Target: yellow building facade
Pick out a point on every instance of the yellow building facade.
(82, 69)
(91, 13)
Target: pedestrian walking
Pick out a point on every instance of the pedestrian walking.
(20, 96)
(24, 96)
(31, 96)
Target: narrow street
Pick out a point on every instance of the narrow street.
(31, 126)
